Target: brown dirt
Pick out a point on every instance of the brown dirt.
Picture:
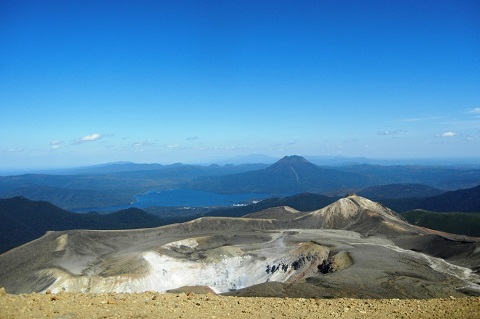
(154, 305)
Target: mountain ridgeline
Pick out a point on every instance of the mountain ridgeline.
(327, 246)
(455, 223)
(23, 220)
(462, 200)
(118, 184)
(353, 247)
(107, 185)
(290, 175)
(294, 174)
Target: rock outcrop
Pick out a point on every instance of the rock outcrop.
(351, 248)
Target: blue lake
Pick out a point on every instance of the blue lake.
(183, 198)
(194, 198)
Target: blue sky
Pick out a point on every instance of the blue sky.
(87, 82)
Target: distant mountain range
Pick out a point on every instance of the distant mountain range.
(22, 220)
(442, 177)
(464, 200)
(294, 174)
(114, 184)
(117, 184)
(399, 191)
(290, 175)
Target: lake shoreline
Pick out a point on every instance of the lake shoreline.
(187, 198)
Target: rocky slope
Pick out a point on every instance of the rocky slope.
(351, 248)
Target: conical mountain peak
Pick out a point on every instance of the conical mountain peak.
(352, 205)
(293, 159)
(358, 214)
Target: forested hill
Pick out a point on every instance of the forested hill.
(23, 220)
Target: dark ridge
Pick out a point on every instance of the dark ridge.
(455, 223)
(462, 200)
(23, 220)
(399, 191)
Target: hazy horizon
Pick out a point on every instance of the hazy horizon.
(326, 160)
(91, 82)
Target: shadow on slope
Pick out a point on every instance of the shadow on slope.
(455, 223)
(233, 253)
(23, 220)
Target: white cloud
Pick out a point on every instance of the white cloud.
(142, 144)
(390, 132)
(449, 134)
(475, 110)
(446, 134)
(88, 138)
(55, 144)
(203, 148)
(92, 137)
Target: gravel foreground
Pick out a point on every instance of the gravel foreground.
(155, 305)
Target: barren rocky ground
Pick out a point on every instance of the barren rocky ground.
(154, 305)
(392, 268)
